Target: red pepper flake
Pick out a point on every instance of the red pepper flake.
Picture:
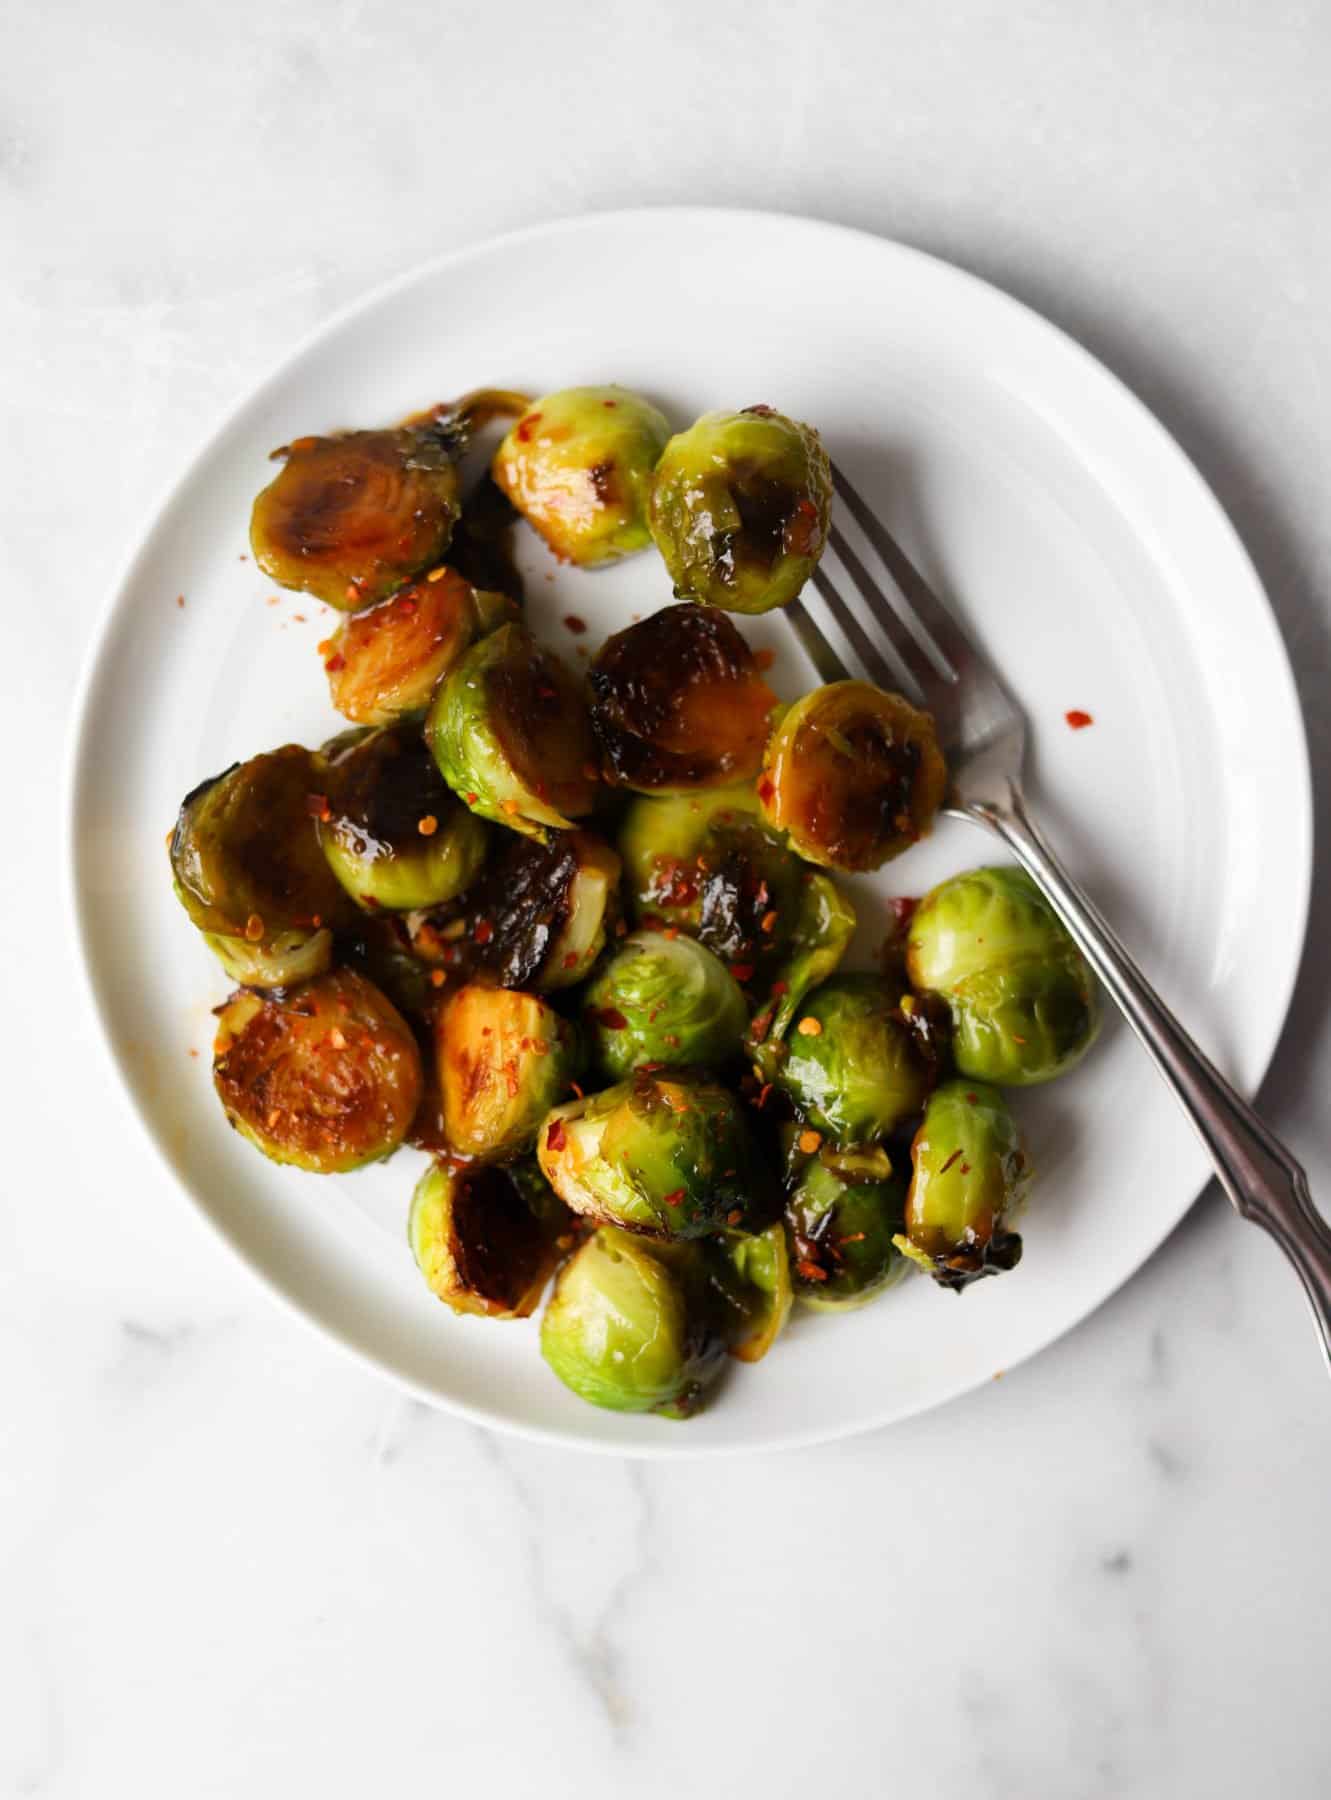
(510, 807)
(610, 403)
(180, 600)
(437, 574)
(570, 961)
(741, 971)
(576, 1089)
(472, 799)
(353, 592)
(970, 1100)
(965, 1168)
(525, 427)
(1017, 1038)
(273, 600)
(336, 1039)
(437, 978)
(335, 663)
(428, 825)
(408, 606)
(951, 1159)
(1078, 719)
(761, 1026)
(254, 928)
(610, 1017)
(194, 1053)
(674, 1197)
(780, 987)
(765, 790)
(763, 659)
(484, 931)
(810, 1028)
(369, 901)
(511, 1079)
(575, 623)
(316, 805)
(298, 617)
(769, 920)
(555, 1137)
(734, 1216)
(810, 1141)
(809, 1271)
(854, 1237)
(763, 1092)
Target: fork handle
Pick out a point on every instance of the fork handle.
(1261, 1178)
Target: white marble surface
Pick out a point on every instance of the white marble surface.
(232, 1563)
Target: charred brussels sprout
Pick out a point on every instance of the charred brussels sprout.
(351, 517)
(504, 1059)
(669, 1156)
(249, 871)
(387, 661)
(487, 1240)
(1025, 1006)
(621, 1329)
(327, 1077)
(844, 1232)
(853, 776)
(739, 508)
(678, 703)
(852, 1065)
(511, 735)
(578, 467)
(750, 1275)
(665, 1001)
(393, 834)
(968, 1171)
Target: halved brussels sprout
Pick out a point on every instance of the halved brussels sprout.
(844, 1233)
(393, 834)
(851, 1065)
(504, 1059)
(739, 508)
(352, 516)
(538, 917)
(389, 659)
(750, 1272)
(678, 703)
(1025, 1006)
(511, 735)
(578, 466)
(622, 1330)
(853, 776)
(249, 871)
(667, 1155)
(968, 1174)
(487, 1240)
(326, 1077)
(666, 1001)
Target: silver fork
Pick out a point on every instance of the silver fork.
(983, 733)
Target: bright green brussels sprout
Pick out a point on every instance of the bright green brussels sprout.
(1024, 1003)
(622, 1329)
(578, 467)
(665, 1001)
(327, 1077)
(663, 1154)
(504, 1058)
(739, 508)
(249, 872)
(394, 835)
(843, 1232)
(750, 1274)
(853, 776)
(968, 1172)
(511, 734)
(487, 1239)
(852, 1065)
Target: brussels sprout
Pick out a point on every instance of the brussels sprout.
(678, 703)
(822, 927)
(1025, 1006)
(853, 775)
(504, 1059)
(968, 1172)
(393, 834)
(387, 661)
(739, 508)
(578, 466)
(487, 1239)
(621, 1329)
(538, 917)
(666, 1001)
(249, 871)
(851, 1065)
(350, 517)
(844, 1233)
(750, 1272)
(510, 732)
(666, 1155)
(326, 1077)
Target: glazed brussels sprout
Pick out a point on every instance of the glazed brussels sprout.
(844, 1234)
(851, 1065)
(1025, 1006)
(739, 508)
(666, 1155)
(853, 776)
(504, 1058)
(350, 517)
(326, 1077)
(678, 703)
(666, 1001)
(393, 834)
(578, 467)
(622, 1329)
(968, 1172)
(511, 735)
(750, 1273)
(249, 871)
(486, 1239)
(538, 918)
(388, 660)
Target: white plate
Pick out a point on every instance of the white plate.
(1039, 494)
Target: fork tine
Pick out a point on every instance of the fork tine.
(898, 633)
(816, 647)
(865, 648)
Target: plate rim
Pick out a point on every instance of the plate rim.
(1299, 798)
